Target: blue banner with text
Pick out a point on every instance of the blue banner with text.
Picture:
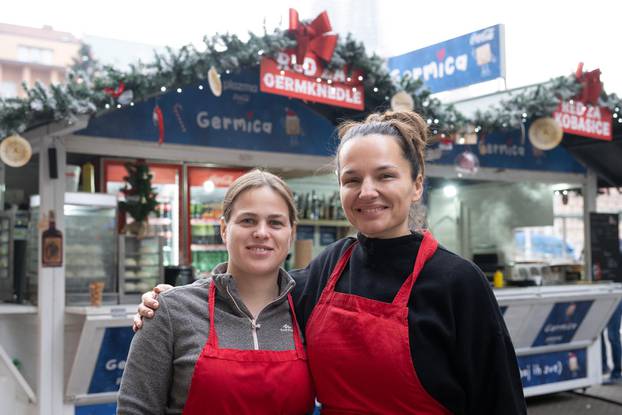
(469, 59)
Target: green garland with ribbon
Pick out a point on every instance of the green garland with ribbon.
(83, 92)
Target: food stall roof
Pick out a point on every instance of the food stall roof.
(601, 156)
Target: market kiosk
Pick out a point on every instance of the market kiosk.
(73, 354)
(503, 182)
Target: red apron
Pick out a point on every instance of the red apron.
(238, 382)
(359, 349)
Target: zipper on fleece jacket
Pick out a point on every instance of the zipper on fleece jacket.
(254, 325)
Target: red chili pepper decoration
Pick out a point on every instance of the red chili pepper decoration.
(158, 120)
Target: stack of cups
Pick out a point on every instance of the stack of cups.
(96, 291)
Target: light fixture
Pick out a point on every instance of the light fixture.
(450, 190)
(208, 186)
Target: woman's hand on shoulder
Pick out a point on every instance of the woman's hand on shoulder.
(149, 305)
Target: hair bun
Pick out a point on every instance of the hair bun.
(410, 118)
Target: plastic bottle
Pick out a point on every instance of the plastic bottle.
(88, 178)
(497, 279)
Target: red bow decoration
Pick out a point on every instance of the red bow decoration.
(158, 120)
(115, 92)
(591, 85)
(312, 36)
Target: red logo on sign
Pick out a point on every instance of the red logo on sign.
(440, 55)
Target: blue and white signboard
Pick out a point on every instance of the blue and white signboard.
(111, 360)
(507, 150)
(469, 59)
(553, 367)
(242, 118)
(562, 323)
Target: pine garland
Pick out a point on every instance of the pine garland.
(83, 91)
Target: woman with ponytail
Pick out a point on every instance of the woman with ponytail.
(393, 322)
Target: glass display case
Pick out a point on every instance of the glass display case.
(90, 246)
(140, 266)
(165, 221)
(206, 190)
(6, 257)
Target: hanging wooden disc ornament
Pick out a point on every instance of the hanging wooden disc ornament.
(15, 151)
(214, 81)
(402, 101)
(545, 133)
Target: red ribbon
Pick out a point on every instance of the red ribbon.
(158, 119)
(591, 85)
(115, 92)
(312, 36)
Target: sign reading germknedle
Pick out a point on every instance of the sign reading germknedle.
(300, 73)
(311, 82)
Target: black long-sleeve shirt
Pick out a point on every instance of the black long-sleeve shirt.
(460, 347)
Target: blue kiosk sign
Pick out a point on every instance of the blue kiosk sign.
(469, 59)
(242, 118)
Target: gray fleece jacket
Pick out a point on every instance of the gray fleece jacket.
(162, 356)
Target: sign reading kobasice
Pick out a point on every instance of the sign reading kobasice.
(310, 81)
(465, 60)
(585, 120)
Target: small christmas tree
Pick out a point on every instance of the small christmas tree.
(140, 197)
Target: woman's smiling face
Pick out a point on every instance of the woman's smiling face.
(376, 186)
(258, 234)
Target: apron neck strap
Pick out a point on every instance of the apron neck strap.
(426, 250)
(297, 339)
(212, 338)
(341, 264)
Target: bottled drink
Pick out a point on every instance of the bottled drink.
(52, 244)
(313, 206)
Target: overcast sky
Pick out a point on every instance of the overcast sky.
(544, 39)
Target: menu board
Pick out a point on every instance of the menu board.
(605, 244)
